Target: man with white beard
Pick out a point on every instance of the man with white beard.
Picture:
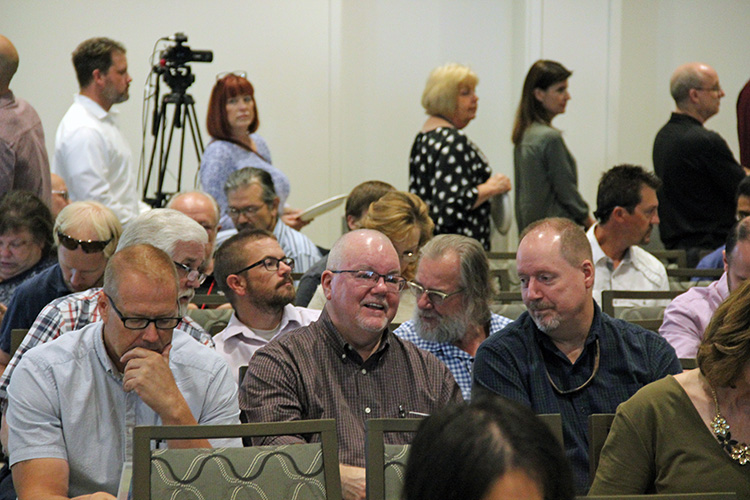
(564, 355)
(453, 317)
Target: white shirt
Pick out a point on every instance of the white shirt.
(94, 159)
(237, 343)
(638, 271)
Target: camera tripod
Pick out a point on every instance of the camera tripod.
(183, 115)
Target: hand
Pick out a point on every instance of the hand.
(353, 484)
(498, 184)
(3, 309)
(148, 374)
(291, 218)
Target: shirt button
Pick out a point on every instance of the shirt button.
(343, 356)
(367, 410)
(364, 372)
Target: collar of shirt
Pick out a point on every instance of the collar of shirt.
(101, 352)
(345, 351)
(93, 107)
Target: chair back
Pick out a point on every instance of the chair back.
(599, 425)
(609, 296)
(301, 471)
(666, 496)
(386, 463)
(553, 421)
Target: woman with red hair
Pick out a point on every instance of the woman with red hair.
(232, 123)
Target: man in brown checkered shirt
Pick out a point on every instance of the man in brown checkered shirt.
(348, 365)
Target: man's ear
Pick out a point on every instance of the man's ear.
(325, 282)
(588, 273)
(103, 306)
(237, 284)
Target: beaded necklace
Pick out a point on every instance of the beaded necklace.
(738, 451)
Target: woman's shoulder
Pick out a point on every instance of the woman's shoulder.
(665, 394)
(543, 131)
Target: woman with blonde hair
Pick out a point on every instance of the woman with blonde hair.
(689, 433)
(448, 171)
(546, 176)
(404, 218)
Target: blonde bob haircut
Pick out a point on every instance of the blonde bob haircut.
(395, 215)
(725, 349)
(440, 96)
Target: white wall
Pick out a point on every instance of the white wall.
(338, 82)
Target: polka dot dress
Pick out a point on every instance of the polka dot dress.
(445, 168)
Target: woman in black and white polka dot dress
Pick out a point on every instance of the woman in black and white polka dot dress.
(446, 169)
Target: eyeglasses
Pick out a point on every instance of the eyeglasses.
(223, 74)
(717, 89)
(142, 323)
(63, 194)
(88, 246)
(393, 282)
(192, 274)
(270, 263)
(436, 297)
(248, 211)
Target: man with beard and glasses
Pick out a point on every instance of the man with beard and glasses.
(347, 365)
(168, 230)
(626, 211)
(91, 153)
(256, 276)
(73, 403)
(453, 316)
(564, 355)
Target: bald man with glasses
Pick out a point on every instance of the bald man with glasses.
(348, 365)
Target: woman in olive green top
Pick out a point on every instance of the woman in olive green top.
(687, 433)
(546, 176)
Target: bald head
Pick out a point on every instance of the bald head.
(574, 246)
(353, 246)
(696, 90)
(8, 63)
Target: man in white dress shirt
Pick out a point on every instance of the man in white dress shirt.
(91, 154)
(626, 210)
(256, 275)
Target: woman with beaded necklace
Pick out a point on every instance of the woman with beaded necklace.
(689, 433)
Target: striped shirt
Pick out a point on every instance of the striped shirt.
(314, 373)
(458, 361)
(71, 313)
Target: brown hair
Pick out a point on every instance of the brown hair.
(216, 121)
(725, 348)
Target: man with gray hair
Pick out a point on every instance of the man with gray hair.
(699, 172)
(252, 204)
(91, 153)
(453, 317)
(23, 156)
(203, 209)
(86, 234)
(183, 239)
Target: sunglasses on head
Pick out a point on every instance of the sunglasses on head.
(89, 246)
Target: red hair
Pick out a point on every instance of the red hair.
(225, 88)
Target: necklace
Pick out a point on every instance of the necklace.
(591, 378)
(738, 451)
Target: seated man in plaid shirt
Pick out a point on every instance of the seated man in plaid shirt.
(453, 316)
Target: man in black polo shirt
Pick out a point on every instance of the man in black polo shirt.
(699, 172)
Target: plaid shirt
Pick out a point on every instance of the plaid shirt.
(71, 313)
(458, 361)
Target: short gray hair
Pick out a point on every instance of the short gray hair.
(475, 271)
(162, 228)
(686, 77)
(247, 176)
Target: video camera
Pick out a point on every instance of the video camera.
(180, 54)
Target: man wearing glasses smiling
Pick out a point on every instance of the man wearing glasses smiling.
(699, 171)
(130, 369)
(348, 365)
